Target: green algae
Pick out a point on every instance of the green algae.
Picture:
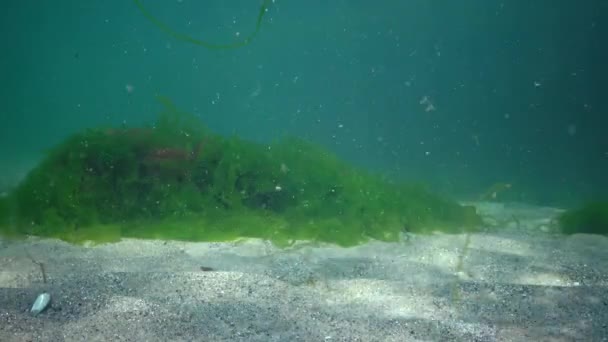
(177, 180)
(591, 218)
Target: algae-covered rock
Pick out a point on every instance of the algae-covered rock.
(177, 180)
(591, 218)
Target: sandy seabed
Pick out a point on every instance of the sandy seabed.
(518, 283)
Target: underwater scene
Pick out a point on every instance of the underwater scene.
(275, 170)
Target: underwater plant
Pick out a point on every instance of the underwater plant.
(592, 218)
(177, 180)
(189, 39)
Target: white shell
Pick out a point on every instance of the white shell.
(41, 303)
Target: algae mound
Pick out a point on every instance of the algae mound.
(592, 218)
(177, 180)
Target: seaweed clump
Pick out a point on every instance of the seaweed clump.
(177, 180)
(592, 218)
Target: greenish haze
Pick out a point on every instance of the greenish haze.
(592, 218)
(177, 180)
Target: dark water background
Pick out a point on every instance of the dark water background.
(518, 87)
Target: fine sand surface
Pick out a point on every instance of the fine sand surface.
(523, 283)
